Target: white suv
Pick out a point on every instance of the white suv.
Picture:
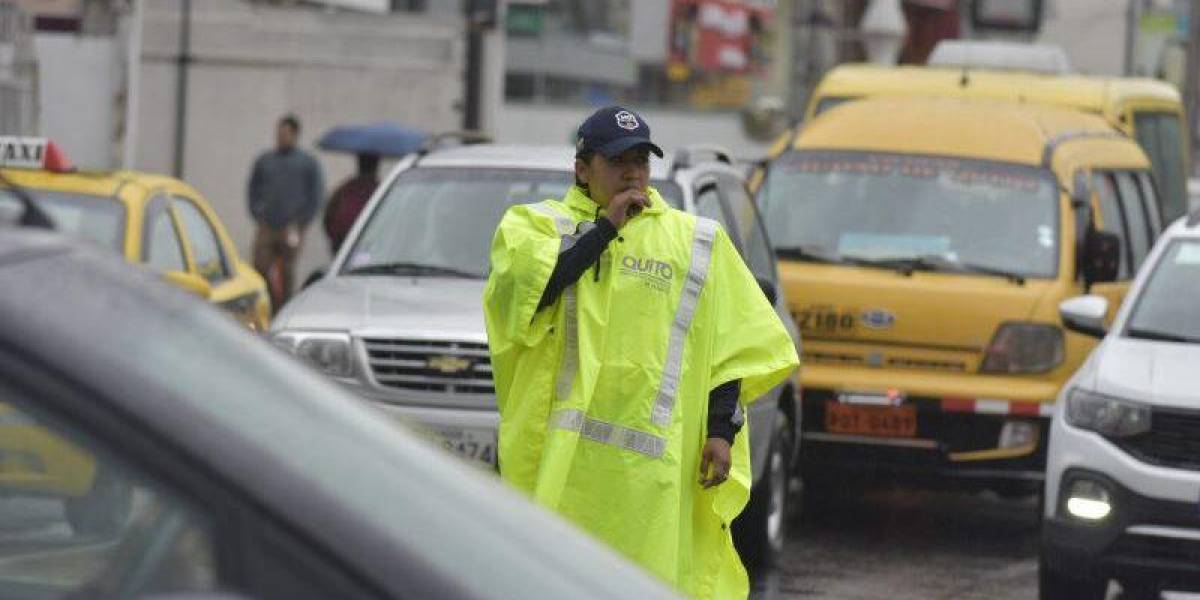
(1123, 471)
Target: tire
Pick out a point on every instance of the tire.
(1056, 585)
(104, 510)
(761, 531)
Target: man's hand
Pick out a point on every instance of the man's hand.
(625, 206)
(716, 457)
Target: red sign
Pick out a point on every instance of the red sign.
(718, 35)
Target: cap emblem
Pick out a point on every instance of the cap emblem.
(626, 120)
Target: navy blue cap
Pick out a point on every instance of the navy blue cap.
(613, 130)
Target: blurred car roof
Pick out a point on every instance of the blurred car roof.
(514, 156)
(410, 520)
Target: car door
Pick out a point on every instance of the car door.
(231, 290)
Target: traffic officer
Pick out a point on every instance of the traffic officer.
(626, 339)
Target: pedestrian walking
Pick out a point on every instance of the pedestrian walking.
(349, 199)
(627, 338)
(284, 193)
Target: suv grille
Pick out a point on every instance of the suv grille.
(1173, 440)
(431, 366)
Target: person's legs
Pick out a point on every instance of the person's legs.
(289, 250)
(268, 243)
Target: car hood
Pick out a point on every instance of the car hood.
(1163, 373)
(377, 304)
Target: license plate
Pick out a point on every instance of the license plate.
(470, 444)
(877, 421)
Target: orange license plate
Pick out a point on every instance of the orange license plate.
(878, 421)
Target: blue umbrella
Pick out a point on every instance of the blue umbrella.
(384, 139)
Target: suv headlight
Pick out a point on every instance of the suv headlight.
(1106, 415)
(1024, 348)
(329, 352)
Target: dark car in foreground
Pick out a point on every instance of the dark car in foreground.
(230, 470)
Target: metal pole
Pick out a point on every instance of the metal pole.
(1192, 81)
(474, 67)
(1131, 30)
(181, 87)
(133, 84)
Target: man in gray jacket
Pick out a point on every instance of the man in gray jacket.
(285, 191)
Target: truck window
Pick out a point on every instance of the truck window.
(1150, 198)
(1112, 218)
(1141, 236)
(1159, 135)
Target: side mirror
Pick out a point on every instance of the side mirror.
(189, 282)
(317, 275)
(768, 289)
(1085, 314)
(1101, 257)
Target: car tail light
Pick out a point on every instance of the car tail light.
(1024, 348)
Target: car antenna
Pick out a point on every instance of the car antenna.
(32, 216)
(965, 80)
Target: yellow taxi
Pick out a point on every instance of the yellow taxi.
(154, 220)
(1148, 110)
(925, 244)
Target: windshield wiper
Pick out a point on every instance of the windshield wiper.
(808, 254)
(411, 268)
(1160, 336)
(937, 262)
(816, 254)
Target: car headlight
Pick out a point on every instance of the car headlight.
(1106, 415)
(329, 352)
(1024, 348)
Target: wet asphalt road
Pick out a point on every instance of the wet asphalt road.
(897, 545)
(910, 545)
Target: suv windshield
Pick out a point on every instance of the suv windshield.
(1167, 308)
(440, 221)
(913, 213)
(96, 218)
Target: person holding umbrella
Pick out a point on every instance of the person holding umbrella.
(368, 143)
(349, 199)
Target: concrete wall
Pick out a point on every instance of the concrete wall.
(253, 63)
(1092, 32)
(79, 79)
(554, 124)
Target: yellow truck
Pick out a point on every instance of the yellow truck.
(925, 244)
(1148, 110)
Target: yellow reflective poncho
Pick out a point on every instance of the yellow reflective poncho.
(603, 395)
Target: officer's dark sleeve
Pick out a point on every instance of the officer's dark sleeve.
(577, 254)
(722, 411)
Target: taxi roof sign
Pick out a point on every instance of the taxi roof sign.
(18, 152)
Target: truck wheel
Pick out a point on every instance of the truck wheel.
(761, 530)
(1056, 585)
(104, 510)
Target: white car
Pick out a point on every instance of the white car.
(1123, 471)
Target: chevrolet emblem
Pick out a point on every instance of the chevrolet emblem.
(449, 364)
